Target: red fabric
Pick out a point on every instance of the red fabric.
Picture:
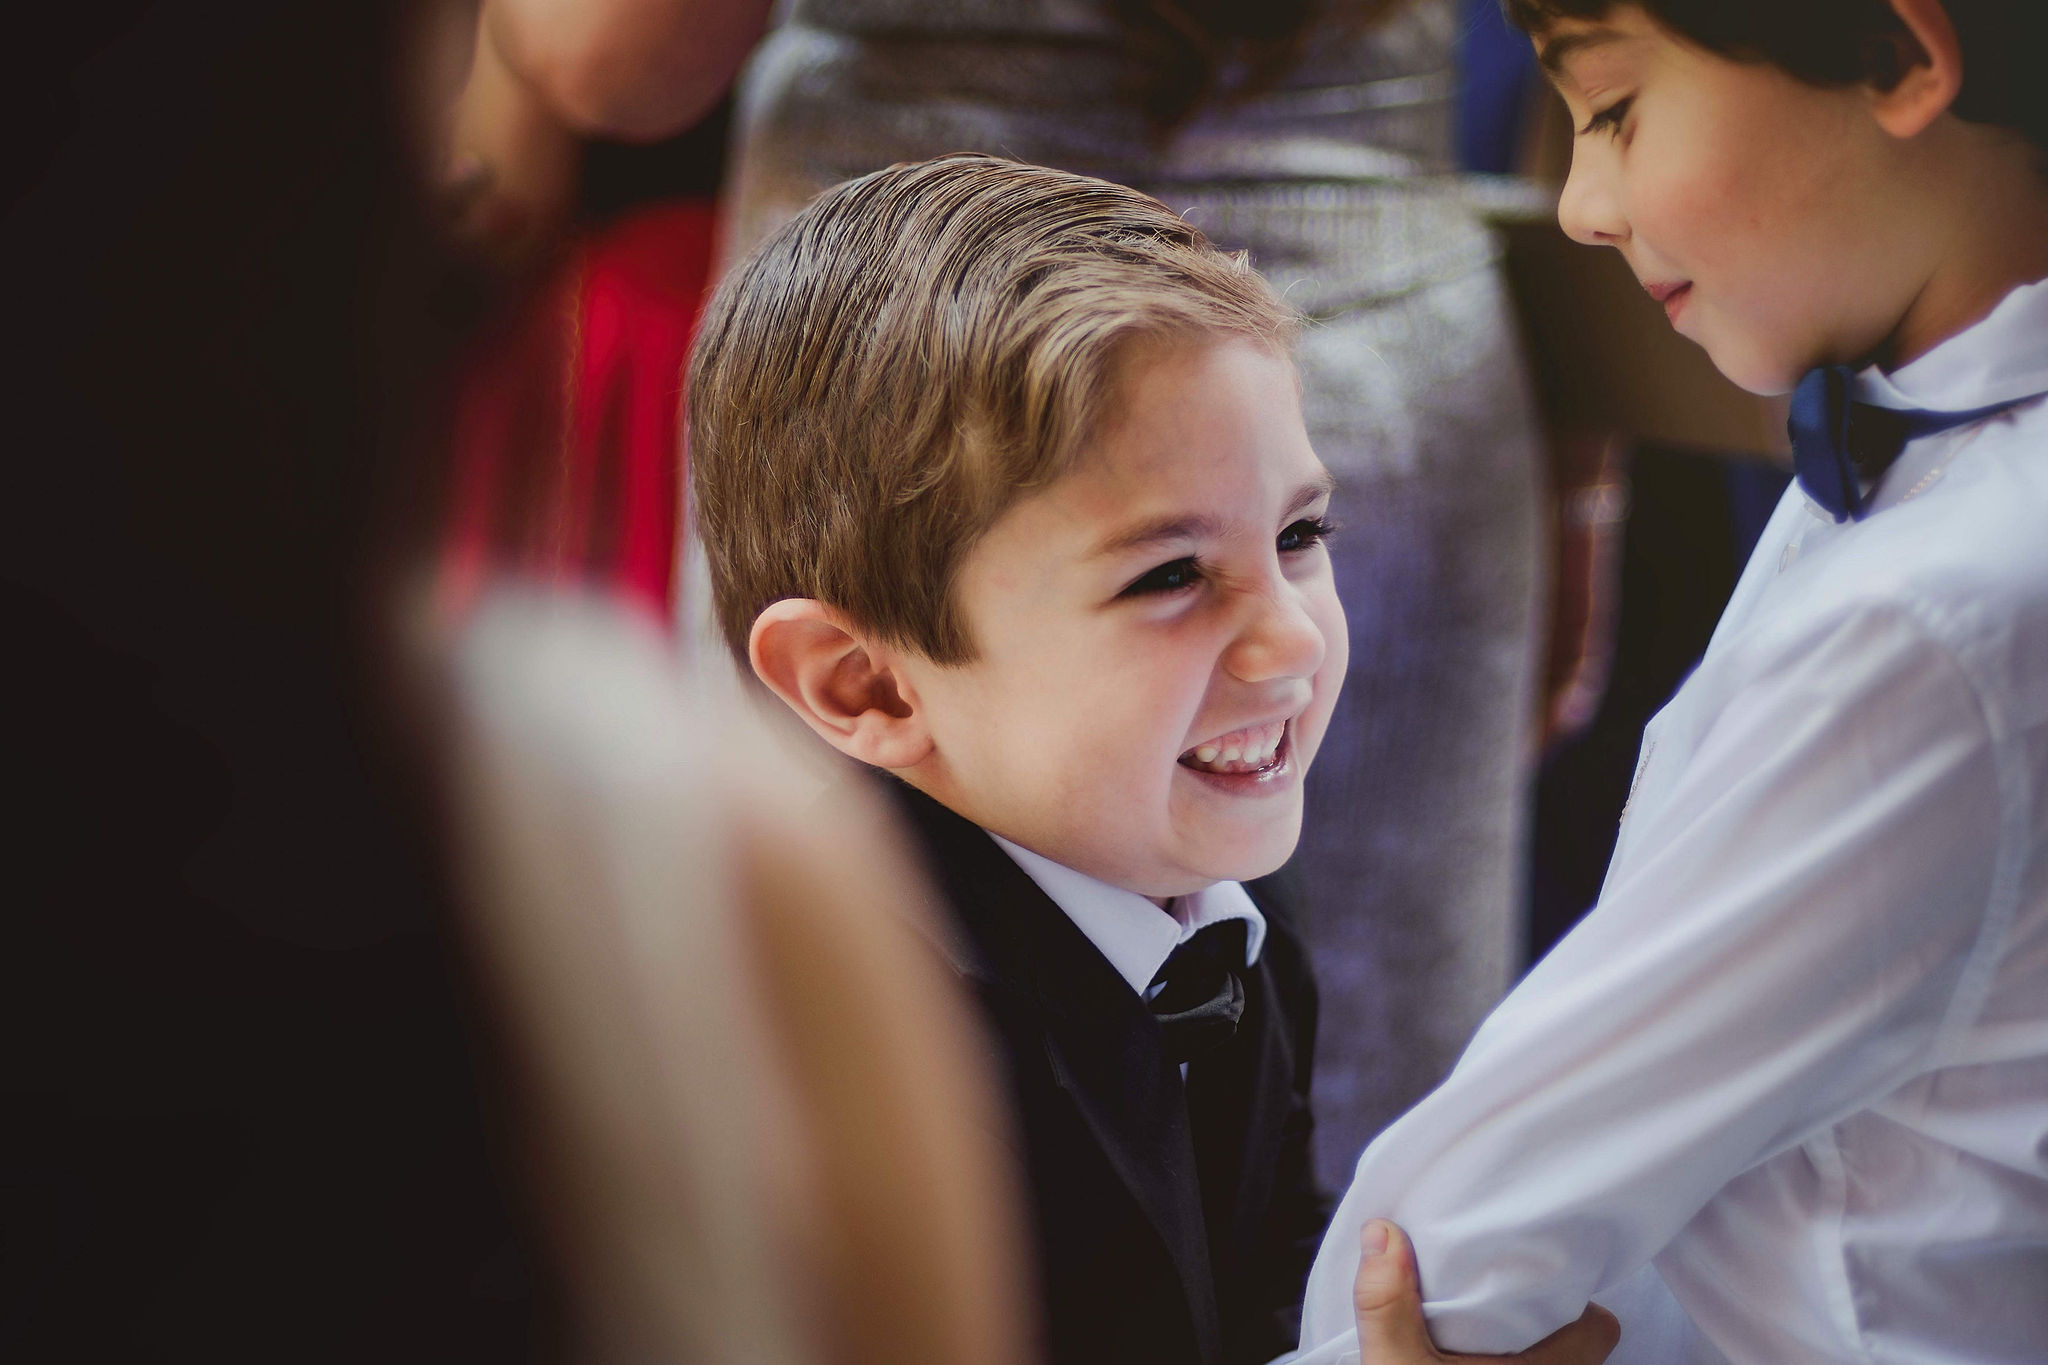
(568, 449)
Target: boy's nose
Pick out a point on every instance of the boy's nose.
(1589, 211)
(1279, 640)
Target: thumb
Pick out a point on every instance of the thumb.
(1388, 1299)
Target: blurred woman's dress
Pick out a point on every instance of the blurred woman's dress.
(1335, 178)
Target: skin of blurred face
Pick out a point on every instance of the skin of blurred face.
(1171, 589)
(1776, 221)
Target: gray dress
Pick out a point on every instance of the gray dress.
(1336, 182)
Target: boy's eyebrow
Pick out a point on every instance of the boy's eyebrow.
(1321, 486)
(1556, 51)
(1195, 526)
(1156, 532)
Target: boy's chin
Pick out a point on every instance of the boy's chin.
(1251, 861)
(1753, 369)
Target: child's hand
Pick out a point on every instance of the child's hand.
(1391, 1330)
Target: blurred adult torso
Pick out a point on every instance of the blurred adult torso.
(858, 83)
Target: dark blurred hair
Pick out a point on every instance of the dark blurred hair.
(1198, 51)
(241, 1080)
(1850, 42)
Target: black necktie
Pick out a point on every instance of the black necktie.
(1840, 446)
(1198, 996)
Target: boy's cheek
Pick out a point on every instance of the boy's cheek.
(1308, 742)
(1681, 223)
(1336, 629)
(1315, 722)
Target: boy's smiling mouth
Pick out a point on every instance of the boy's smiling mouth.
(1253, 751)
(1672, 295)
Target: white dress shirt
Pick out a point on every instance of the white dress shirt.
(1798, 1052)
(1134, 934)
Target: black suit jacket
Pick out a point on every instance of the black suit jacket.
(1134, 1264)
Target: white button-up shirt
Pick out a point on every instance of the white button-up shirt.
(1798, 1053)
(1134, 934)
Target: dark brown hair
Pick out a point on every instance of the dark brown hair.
(908, 356)
(227, 878)
(1850, 42)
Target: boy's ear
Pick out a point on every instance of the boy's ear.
(1926, 70)
(851, 692)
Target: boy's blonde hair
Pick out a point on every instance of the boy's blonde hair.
(916, 350)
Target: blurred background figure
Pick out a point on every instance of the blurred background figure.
(386, 983)
(1320, 137)
(581, 162)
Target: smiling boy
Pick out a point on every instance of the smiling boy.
(1005, 491)
(1797, 1055)
(1153, 633)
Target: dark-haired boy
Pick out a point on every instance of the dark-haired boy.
(1005, 491)
(1798, 1053)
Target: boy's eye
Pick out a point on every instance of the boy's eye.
(1174, 577)
(1608, 120)
(1305, 534)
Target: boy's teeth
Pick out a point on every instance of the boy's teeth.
(1248, 750)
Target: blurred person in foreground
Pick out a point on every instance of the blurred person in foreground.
(752, 1106)
(244, 1113)
(1006, 496)
(283, 1077)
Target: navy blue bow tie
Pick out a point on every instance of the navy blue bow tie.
(1841, 449)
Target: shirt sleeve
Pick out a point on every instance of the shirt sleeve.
(1785, 936)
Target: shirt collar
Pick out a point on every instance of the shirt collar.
(2001, 359)
(1134, 934)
